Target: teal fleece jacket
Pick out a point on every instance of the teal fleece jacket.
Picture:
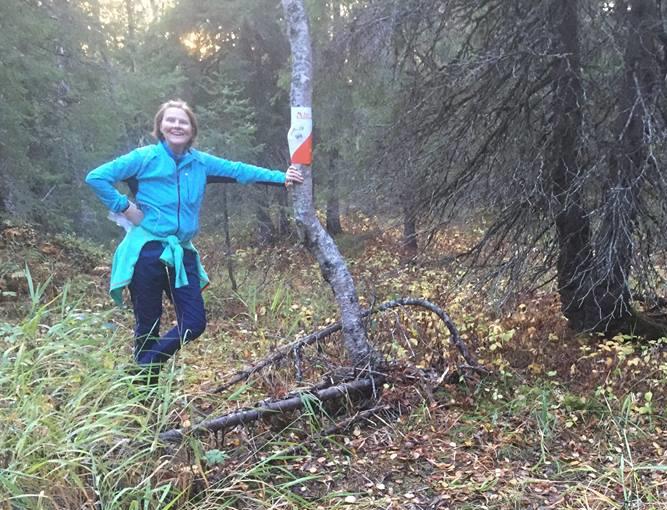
(170, 195)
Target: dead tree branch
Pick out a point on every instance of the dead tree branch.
(296, 346)
(350, 389)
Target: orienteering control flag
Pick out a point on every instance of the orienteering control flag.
(300, 136)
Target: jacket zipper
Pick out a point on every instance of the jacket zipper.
(178, 203)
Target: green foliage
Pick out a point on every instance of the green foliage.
(74, 430)
(214, 457)
(83, 79)
(68, 414)
(230, 122)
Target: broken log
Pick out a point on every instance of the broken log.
(350, 389)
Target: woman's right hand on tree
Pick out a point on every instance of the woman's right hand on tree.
(293, 175)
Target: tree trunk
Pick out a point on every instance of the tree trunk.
(5, 194)
(594, 282)
(334, 226)
(320, 244)
(265, 228)
(334, 60)
(131, 34)
(572, 225)
(333, 202)
(228, 242)
(283, 220)
(408, 204)
(409, 229)
(627, 161)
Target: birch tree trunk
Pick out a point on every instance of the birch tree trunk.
(317, 240)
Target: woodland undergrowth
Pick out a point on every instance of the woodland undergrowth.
(563, 421)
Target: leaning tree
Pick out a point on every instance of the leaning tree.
(317, 240)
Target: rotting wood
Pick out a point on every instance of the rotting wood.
(350, 389)
(296, 346)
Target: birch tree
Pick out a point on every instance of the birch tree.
(317, 240)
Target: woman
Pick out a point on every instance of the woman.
(157, 254)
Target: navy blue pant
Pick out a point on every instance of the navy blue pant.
(150, 280)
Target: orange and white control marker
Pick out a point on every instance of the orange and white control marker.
(300, 136)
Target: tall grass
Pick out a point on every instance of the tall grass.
(76, 433)
(68, 420)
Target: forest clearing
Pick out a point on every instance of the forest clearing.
(562, 421)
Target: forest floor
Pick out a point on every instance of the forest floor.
(562, 421)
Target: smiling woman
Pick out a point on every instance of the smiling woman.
(175, 124)
(157, 255)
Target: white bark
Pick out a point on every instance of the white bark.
(317, 240)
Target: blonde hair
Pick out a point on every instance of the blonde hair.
(174, 103)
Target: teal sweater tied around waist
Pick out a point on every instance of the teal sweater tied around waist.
(127, 254)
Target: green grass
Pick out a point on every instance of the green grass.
(75, 432)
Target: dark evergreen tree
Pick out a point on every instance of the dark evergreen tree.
(545, 118)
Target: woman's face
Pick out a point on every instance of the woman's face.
(176, 129)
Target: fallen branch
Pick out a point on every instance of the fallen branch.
(353, 388)
(277, 355)
(296, 346)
